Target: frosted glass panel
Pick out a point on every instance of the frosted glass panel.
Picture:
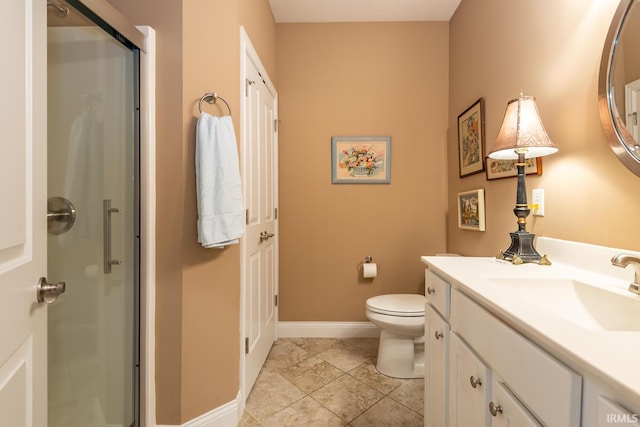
(91, 158)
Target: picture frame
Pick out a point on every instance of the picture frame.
(471, 140)
(497, 169)
(471, 215)
(361, 160)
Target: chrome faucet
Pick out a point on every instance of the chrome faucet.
(622, 260)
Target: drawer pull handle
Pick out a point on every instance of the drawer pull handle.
(439, 335)
(494, 409)
(431, 290)
(475, 382)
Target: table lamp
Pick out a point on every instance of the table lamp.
(522, 136)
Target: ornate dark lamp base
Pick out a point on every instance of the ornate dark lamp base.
(522, 136)
(522, 250)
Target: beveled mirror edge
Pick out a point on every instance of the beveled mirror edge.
(618, 142)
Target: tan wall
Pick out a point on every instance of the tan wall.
(366, 79)
(550, 49)
(198, 290)
(359, 79)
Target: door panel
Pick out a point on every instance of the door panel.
(260, 243)
(92, 163)
(23, 166)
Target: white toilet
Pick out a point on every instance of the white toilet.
(401, 320)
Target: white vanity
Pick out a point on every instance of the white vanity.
(532, 345)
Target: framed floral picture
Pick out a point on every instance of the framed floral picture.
(471, 210)
(471, 139)
(505, 168)
(360, 160)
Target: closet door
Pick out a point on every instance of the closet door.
(260, 245)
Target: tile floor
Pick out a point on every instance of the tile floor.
(326, 382)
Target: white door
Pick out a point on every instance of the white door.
(260, 245)
(23, 171)
(632, 101)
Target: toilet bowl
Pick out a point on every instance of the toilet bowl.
(400, 318)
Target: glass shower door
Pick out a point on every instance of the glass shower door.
(92, 219)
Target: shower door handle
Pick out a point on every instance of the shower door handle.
(107, 210)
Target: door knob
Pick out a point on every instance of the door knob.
(495, 409)
(265, 236)
(48, 292)
(61, 215)
(475, 382)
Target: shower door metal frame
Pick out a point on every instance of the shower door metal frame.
(132, 39)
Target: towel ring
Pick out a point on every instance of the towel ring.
(211, 98)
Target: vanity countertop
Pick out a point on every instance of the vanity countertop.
(610, 356)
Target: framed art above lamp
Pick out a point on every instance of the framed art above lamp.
(522, 136)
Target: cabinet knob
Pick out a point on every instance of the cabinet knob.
(475, 382)
(439, 335)
(431, 290)
(494, 409)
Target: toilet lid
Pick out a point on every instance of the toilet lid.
(405, 305)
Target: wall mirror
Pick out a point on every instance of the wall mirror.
(619, 87)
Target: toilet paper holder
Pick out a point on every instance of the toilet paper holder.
(366, 260)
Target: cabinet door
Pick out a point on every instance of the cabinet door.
(507, 411)
(469, 386)
(437, 342)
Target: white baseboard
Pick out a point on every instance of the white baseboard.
(328, 330)
(227, 415)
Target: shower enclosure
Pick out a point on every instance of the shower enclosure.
(93, 220)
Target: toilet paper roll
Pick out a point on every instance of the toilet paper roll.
(369, 270)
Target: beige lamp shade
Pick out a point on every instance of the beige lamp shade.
(522, 132)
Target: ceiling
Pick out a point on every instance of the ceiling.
(362, 10)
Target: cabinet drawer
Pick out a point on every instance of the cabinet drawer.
(437, 292)
(437, 344)
(550, 390)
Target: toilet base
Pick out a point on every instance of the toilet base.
(400, 356)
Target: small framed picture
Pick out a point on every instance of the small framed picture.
(471, 210)
(471, 139)
(361, 160)
(497, 169)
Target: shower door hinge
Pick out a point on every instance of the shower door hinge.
(275, 300)
(275, 213)
(246, 345)
(275, 125)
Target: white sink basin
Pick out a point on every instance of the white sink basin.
(588, 306)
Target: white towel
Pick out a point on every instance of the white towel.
(221, 217)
